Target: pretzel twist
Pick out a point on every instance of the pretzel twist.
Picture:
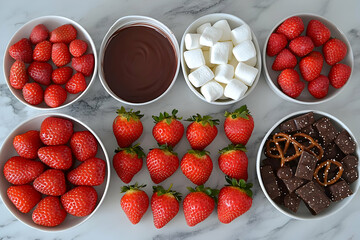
(327, 165)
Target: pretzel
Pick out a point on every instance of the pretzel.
(327, 165)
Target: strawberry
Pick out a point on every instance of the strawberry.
(38, 34)
(135, 202)
(61, 75)
(291, 27)
(83, 145)
(18, 75)
(311, 66)
(60, 54)
(290, 84)
(234, 200)
(168, 129)
(319, 87)
(197, 166)
(56, 131)
(76, 84)
(239, 125)
(202, 131)
(80, 201)
(334, 51)
(40, 72)
(127, 127)
(339, 75)
(33, 93)
(42, 51)
(51, 182)
(63, 34)
(234, 162)
(89, 173)
(285, 59)
(276, 43)
(318, 32)
(49, 212)
(301, 46)
(24, 197)
(199, 204)
(22, 50)
(19, 170)
(77, 47)
(84, 64)
(164, 205)
(58, 157)
(27, 144)
(55, 95)
(128, 161)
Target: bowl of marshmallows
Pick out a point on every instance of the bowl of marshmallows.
(221, 59)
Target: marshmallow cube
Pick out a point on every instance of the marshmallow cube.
(226, 30)
(246, 73)
(206, 54)
(219, 53)
(244, 51)
(224, 73)
(201, 76)
(251, 62)
(192, 41)
(241, 34)
(202, 27)
(212, 91)
(210, 36)
(235, 89)
(194, 58)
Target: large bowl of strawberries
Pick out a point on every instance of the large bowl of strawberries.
(50, 62)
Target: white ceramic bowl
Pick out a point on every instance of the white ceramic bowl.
(7, 151)
(138, 20)
(303, 213)
(306, 97)
(234, 22)
(51, 22)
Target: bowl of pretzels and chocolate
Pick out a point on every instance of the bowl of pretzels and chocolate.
(307, 165)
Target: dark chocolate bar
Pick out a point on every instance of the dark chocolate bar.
(270, 182)
(306, 166)
(315, 199)
(332, 152)
(350, 175)
(288, 126)
(345, 142)
(297, 123)
(349, 162)
(292, 202)
(310, 130)
(293, 183)
(284, 172)
(274, 163)
(339, 191)
(326, 130)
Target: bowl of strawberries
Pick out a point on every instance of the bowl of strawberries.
(307, 59)
(50, 62)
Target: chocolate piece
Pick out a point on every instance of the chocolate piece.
(304, 120)
(326, 130)
(309, 130)
(349, 162)
(288, 126)
(292, 202)
(274, 163)
(350, 175)
(284, 172)
(339, 191)
(270, 182)
(293, 183)
(306, 166)
(345, 142)
(319, 186)
(332, 152)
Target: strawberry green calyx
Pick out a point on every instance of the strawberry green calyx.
(136, 186)
(136, 149)
(161, 191)
(241, 112)
(246, 187)
(232, 147)
(208, 191)
(206, 119)
(166, 148)
(198, 153)
(167, 117)
(129, 114)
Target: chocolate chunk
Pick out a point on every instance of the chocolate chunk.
(292, 202)
(319, 186)
(349, 162)
(309, 130)
(274, 163)
(288, 126)
(326, 130)
(332, 152)
(284, 172)
(293, 183)
(339, 191)
(304, 120)
(345, 142)
(350, 175)
(306, 166)
(270, 182)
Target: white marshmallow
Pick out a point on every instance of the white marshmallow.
(252, 61)
(201, 76)
(233, 61)
(206, 54)
(210, 36)
(212, 91)
(223, 96)
(192, 41)
(246, 73)
(226, 30)
(244, 51)
(235, 89)
(240, 34)
(231, 46)
(194, 58)
(224, 73)
(219, 53)
(202, 27)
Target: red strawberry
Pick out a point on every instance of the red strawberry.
(58, 157)
(80, 201)
(56, 131)
(42, 51)
(33, 93)
(84, 64)
(202, 131)
(27, 144)
(61, 75)
(334, 51)
(134, 203)
(19, 170)
(168, 129)
(55, 95)
(197, 166)
(76, 84)
(318, 32)
(40, 72)
(164, 205)
(89, 173)
(77, 47)
(51, 182)
(83, 145)
(38, 34)
(49, 212)
(291, 27)
(18, 75)
(234, 162)
(127, 127)
(162, 162)
(63, 34)
(319, 87)
(276, 43)
(128, 161)
(311, 66)
(301, 46)
(285, 59)
(22, 51)
(239, 125)
(339, 75)
(234, 200)
(60, 54)
(24, 197)
(290, 84)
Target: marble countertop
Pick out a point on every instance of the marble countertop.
(97, 109)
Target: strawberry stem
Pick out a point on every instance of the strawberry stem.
(136, 186)
(167, 117)
(241, 112)
(211, 192)
(161, 191)
(232, 147)
(246, 187)
(129, 114)
(206, 119)
(136, 149)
